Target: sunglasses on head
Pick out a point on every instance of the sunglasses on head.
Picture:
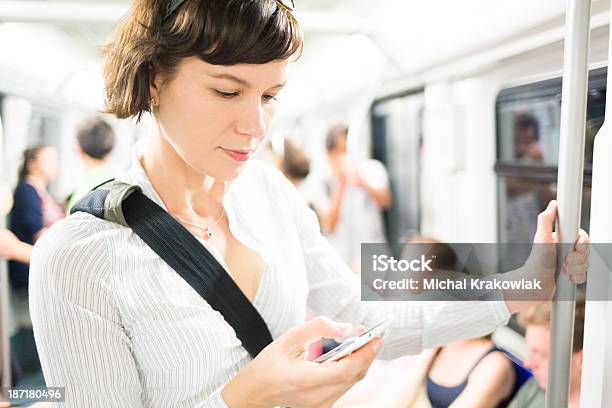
(288, 5)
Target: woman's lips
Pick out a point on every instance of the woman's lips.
(238, 155)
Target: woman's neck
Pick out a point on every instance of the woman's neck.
(182, 189)
(37, 181)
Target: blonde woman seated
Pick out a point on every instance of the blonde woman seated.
(468, 373)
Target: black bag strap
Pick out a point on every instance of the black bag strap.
(126, 204)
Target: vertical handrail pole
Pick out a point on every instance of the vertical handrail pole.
(597, 351)
(569, 193)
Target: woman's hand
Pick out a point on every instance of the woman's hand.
(9, 244)
(541, 263)
(280, 375)
(11, 248)
(576, 262)
(6, 199)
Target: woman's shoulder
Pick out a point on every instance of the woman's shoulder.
(494, 368)
(72, 268)
(496, 357)
(25, 190)
(80, 240)
(81, 226)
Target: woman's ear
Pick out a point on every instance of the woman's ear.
(154, 85)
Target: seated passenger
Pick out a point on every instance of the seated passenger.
(536, 321)
(470, 373)
(466, 373)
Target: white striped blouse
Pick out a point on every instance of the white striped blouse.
(118, 328)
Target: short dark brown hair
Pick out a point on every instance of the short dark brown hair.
(220, 32)
(526, 121)
(295, 164)
(29, 155)
(96, 138)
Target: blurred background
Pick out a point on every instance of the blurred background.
(459, 101)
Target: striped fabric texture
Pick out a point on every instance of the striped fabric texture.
(117, 327)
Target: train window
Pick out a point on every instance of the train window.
(396, 139)
(528, 130)
(528, 120)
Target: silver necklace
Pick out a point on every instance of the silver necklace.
(207, 229)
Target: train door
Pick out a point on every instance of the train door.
(528, 138)
(396, 142)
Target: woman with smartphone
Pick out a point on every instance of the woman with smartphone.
(117, 326)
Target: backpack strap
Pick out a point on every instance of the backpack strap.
(125, 204)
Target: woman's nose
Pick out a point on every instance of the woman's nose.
(252, 121)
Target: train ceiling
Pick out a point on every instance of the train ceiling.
(53, 44)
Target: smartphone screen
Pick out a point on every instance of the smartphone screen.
(338, 349)
(348, 343)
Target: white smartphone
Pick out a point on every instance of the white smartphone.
(355, 343)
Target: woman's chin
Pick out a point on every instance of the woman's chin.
(226, 173)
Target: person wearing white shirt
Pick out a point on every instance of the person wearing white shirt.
(352, 194)
(117, 327)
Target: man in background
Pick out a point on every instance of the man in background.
(536, 321)
(356, 192)
(527, 149)
(96, 140)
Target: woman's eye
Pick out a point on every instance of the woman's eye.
(227, 95)
(269, 98)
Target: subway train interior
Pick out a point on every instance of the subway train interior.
(457, 105)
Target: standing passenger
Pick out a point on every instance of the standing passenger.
(34, 210)
(525, 198)
(96, 140)
(295, 165)
(357, 193)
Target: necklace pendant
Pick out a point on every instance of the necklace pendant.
(209, 233)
